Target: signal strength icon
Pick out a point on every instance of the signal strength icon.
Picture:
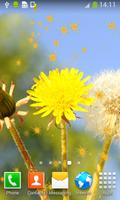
(87, 6)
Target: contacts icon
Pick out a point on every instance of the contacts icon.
(36, 180)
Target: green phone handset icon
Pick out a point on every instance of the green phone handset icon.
(12, 180)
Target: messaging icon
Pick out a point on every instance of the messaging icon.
(60, 180)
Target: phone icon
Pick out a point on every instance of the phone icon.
(12, 180)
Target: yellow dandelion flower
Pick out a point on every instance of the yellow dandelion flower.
(50, 18)
(112, 26)
(64, 29)
(61, 93)
(52, 57)
(74, 27)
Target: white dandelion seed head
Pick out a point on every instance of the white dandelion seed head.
(104, 114)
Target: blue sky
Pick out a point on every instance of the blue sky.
(103, 44)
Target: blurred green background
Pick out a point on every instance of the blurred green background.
(20, 60)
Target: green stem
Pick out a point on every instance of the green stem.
(64, 154)
(24, 153)
(100, 166)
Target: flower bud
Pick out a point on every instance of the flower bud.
(7, 105)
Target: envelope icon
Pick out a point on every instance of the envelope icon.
(60, 180)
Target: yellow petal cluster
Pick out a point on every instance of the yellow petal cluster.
(61, 93)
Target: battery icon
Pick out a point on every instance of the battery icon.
(94, 4)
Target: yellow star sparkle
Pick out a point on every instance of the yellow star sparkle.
(26, 133)
(112, 26)
(18, 62)
(56, 163)
(56, 43)
(40, 24)
(46, 28)
(74, 27)
(33, 34)
(32, 22)
(84, 50)
(52, 57)
(2, 179)
(82, 152)
(35, 45)
(64, 29)
(50, 18)
(37, 130)
(30, 39)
